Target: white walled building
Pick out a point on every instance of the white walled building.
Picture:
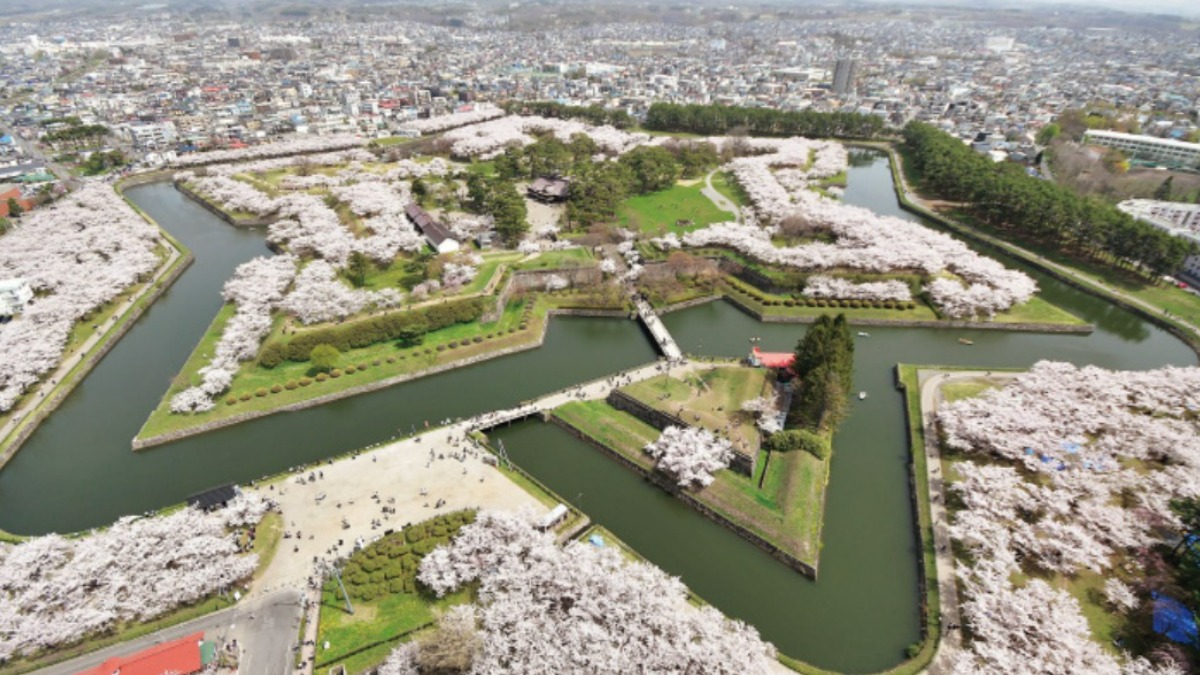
(14, 295)
(1150, 148)
(1180, 220)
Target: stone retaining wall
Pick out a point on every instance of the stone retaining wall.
(660, 419)
(170, 437)
(687, 304)
(63, 390)
(687, 498)
(220, 213)
(1074, 329)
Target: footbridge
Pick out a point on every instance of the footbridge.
(662, 337)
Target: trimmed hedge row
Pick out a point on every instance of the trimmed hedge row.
(798, 300)
(390, 565)
(373, 330)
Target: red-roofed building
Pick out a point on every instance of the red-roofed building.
(179, 657)
(777, 360)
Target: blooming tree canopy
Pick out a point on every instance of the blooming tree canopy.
(55, 590)
(581, 608)
(78, 254)
(690, 454)
(1082, 464)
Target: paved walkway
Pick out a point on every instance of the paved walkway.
(719, 200)
(930, 383)
(37, 394)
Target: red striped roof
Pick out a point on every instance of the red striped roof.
(775, 359)
(180, 656)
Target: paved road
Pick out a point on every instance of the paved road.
(721, 201)
(266, 633)
(266, 640)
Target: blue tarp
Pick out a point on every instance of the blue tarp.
(1174, 620)
(596, 540)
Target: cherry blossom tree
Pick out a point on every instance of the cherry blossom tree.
(1081, 465)
(580, 608)
(834, 287)
(319, 296)
(56, 590)
(293, 145)
(691, 455)
(777, 177)
(234, 195)
(256, 289)
(78, 254)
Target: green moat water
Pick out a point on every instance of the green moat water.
(77, 471)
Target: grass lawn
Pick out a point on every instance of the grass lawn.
(724, 183)
(788, 510)
(372, 622)
(486, 169)
(963, 389)
(710, 399)
(562, 259)
(406, 360)
(612, 428)
(1038, 310)
(395, 140)
(266, 541)
(656, 213)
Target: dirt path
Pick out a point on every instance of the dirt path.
(931, 382)
(38, 393)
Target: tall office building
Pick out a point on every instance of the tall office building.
(843, 76)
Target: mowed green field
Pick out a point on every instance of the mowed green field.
(658, 213)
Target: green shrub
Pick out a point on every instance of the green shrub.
(477, 339)
(408, 325)
(261, 392)
(271, 356)
(325, 356)
(305, 381)
(798, 439)
(453, 344)
(441, 348)
(335, 373)
(231, 400)
(392, 359)
(350, 370)
(363, 365)
(276, 388)
(245, 397)
(376, 362)
(321, 377)
(291, 385)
